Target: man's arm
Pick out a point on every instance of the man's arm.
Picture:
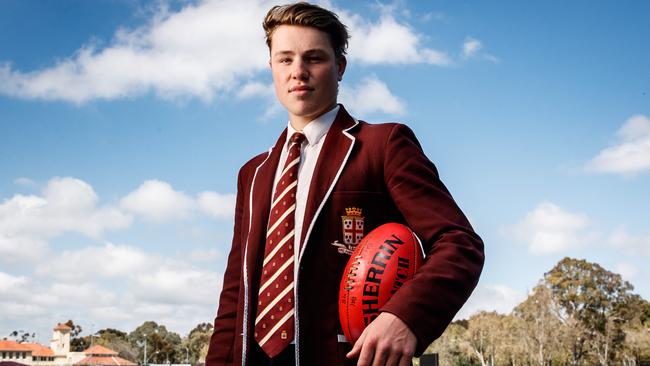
(220, 350)
(454, 252)
(425, 305)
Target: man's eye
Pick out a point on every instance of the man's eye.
(315, 59)
(284, 60)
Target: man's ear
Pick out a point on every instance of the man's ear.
(341, 62)
(269, 62)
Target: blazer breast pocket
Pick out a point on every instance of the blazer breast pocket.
(353, 214)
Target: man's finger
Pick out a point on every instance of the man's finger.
(393, 359)
(406, 360)
(367, 353)
(354, 352)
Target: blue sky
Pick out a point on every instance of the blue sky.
(123, 125)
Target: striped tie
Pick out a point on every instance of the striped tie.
(274, 327)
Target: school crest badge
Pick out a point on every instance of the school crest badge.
(352, 223)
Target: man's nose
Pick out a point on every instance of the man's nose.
(299, 70)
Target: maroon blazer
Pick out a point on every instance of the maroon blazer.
(382, 170)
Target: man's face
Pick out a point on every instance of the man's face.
(305, 72)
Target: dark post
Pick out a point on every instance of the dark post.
(430, 359)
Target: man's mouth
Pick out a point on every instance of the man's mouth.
(300, 89)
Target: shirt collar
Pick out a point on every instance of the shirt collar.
(317, 128)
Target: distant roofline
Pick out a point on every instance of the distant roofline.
(62, 326)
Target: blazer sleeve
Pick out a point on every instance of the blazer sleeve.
(454, 252)
(222, 341)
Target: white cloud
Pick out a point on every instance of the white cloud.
(157, 201)
(266, 92)
(388, 42)
(203, 50)
(551, 229)
(8, 283)
(66, 205)
(36, 305)
(20, 304)
(80, 294)
(27, 223)
(371, 95)
(256, 89)
(169, 284)
(471, 46)
(633, 245)
(499, 298)
(199, 51)
(204, 255)
(166, 290)
(628, 271)
(434, 15)
(150, 278)
(217, 205)
(630, 154)
(23, 181)
(21, 249)
(109, 260)
(71, 205)
(108, 285)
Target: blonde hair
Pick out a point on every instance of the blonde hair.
(308, 15)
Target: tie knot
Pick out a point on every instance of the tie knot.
(297, 138)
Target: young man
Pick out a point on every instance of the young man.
(279, 303)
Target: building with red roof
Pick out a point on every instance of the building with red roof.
(13, 353)
(40, 353)
(102, 356)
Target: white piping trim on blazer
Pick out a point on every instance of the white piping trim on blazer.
(311, 226)
(424, 254)
(245, 271)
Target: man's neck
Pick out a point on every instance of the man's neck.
(299, 122)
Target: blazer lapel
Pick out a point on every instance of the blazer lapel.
(260, 202)
(336, 149)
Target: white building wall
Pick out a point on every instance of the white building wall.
(17, 356)
(60, 342)
(43, 361)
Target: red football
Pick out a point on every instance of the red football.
(384, 259)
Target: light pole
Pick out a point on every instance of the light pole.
(144, 359)
(187, 355)
(92, 334)
(155, 353)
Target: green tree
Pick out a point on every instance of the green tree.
(75, 328)
(452, 347)
(22, 336)
(644, 313)
(118, 341)
(77, 343)
(595, 303)
(637, 336)
(162, 345)
(540, 328)
(483, 334)
(197, 342)
(513, 346)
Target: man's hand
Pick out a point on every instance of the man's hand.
(385, 341)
